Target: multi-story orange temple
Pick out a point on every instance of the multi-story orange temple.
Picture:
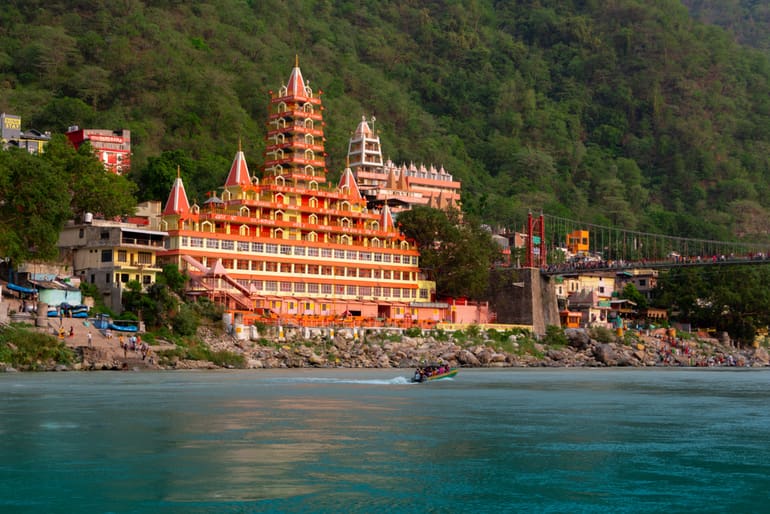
(291, 247)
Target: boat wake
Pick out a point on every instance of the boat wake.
(381, 381)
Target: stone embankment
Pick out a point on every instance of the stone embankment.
(400, 351)
(397, 350)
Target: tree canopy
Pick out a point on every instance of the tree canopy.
(39, 193)
(456, 255)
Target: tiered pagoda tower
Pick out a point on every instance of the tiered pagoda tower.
(291, 245)
(400, 187)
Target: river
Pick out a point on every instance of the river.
(512, 440)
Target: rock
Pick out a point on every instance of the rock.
(761, 356)
(577, 338)
(467, 358)
(605, 354)
(557, 355)
(316, 360)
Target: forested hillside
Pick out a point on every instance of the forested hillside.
(617, 111)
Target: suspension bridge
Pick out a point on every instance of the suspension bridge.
(560, 245)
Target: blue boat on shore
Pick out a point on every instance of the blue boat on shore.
(104, 322)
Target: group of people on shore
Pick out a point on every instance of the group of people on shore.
(135, 344)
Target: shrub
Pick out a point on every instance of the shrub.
(29, 349)
(413, 332)
(555, 337)
(602, 334)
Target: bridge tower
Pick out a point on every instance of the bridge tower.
(535, 242)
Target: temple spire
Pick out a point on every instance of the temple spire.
(177, 202)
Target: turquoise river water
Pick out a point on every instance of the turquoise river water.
(609, 440)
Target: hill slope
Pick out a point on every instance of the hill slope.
(622, 112)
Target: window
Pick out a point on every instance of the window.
(107, 256)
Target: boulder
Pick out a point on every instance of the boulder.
(467, 358)
(605, 354)
(761, 356)
(577, 338)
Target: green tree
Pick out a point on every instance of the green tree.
(630, 292)
(34, 204)
(458, 256)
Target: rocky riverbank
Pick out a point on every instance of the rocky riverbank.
(367, 349)
(396, 350)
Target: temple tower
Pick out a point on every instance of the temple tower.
(294, 146)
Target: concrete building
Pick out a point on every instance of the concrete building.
(109, 254)
(111, 147)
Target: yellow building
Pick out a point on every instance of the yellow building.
(578, 241)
